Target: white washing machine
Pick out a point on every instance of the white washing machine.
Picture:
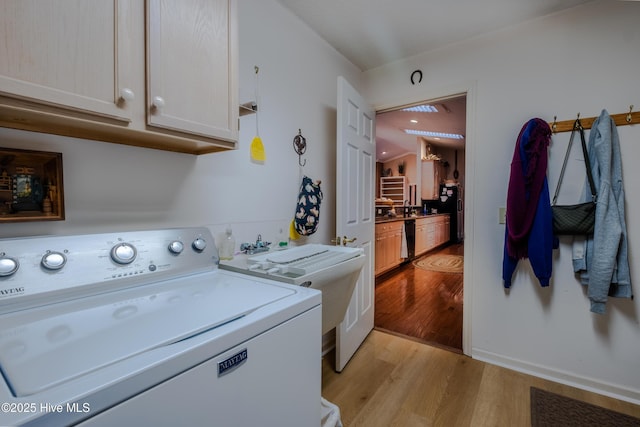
(141, 328)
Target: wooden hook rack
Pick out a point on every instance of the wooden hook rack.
(621, 119)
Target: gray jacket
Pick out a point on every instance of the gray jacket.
(602, 259)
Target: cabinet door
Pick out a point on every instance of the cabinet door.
(431, 235)
(380, 255)
(388, 246)
(429, 189)
(69, 53)
(446, 229)
(191, 67)
(395, 246)
(383, 248)
(421, 237)
(440, 232)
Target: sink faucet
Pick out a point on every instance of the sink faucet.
(252, 248)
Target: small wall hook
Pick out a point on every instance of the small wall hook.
(554, 125)
(628, 119)
(300, 146)
(419, 73)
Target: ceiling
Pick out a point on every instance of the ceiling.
(371, 33)
(392, 141)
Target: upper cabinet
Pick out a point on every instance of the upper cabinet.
(158, 75)
(188, 42)
(69, 54)
(432, 174)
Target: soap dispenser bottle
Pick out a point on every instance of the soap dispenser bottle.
(228, 245)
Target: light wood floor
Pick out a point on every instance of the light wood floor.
(394, 381)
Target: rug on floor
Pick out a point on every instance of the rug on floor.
(443, 263)
(552, 410)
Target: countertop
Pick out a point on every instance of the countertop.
(381, 220)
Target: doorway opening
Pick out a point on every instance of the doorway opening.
(426, 151)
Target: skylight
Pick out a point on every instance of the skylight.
(433, 134)
(425, 108)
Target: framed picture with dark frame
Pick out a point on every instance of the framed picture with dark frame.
(31, 186)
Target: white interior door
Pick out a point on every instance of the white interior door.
(355, 168)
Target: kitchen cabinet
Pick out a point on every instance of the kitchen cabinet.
(431, 232)
(388, 245)
(70, 54)
(432, 172)
(421, 236)
(158, 75)
(394, 188)
(443, 230)
(191, 84)
(426, 234)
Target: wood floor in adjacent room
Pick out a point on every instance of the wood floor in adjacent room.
(425, 305)
(394, 381)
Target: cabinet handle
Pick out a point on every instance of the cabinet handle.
(157, 103)
(127, 94)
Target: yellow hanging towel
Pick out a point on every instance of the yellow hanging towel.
(257, 150)
(293, 234)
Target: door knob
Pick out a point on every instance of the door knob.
(336, 241)
(346, 240)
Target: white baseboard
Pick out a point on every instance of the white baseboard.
(585, 383)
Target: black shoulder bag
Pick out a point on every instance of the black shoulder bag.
(577, 219)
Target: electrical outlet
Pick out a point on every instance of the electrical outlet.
(502, 215)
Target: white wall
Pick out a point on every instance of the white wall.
(114, 187)
(581, 60)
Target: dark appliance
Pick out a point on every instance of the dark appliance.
(450, 201)
(410, 232)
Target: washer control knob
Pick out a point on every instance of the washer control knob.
(53, 260)
(176, 247)
(199, 244)
(8, 266)
(123, 253)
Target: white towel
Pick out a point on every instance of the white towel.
(330, 414)
(404, 252)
